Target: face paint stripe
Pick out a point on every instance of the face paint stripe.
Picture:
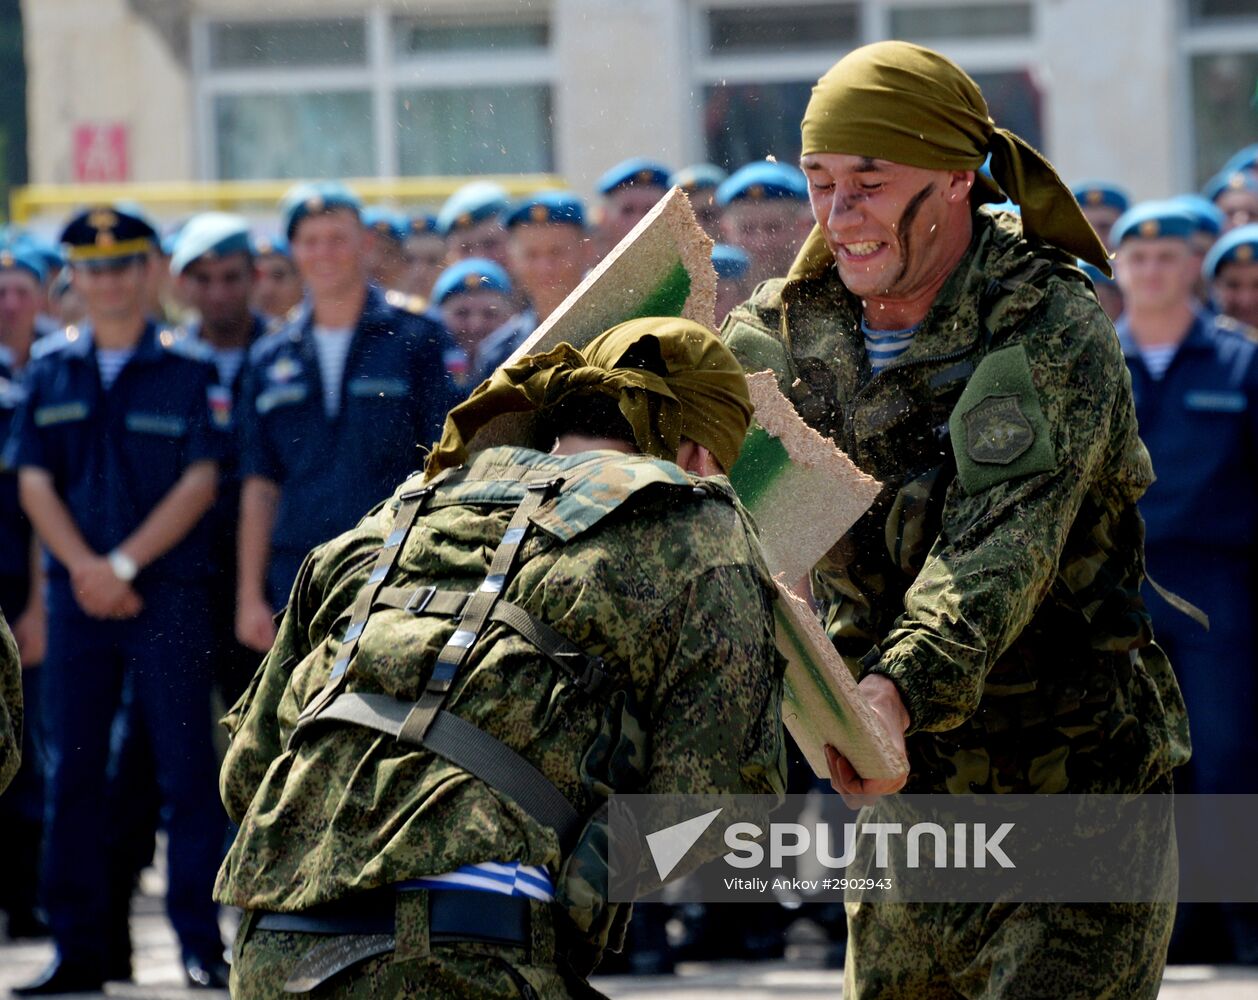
(902, 228)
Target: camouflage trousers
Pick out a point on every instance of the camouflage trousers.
(964, 951)
(264, 960)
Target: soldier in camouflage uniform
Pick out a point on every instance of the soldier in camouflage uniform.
(621, 642)
(10, 706)
(990, 600)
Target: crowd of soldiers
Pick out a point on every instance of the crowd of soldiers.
(188, 413)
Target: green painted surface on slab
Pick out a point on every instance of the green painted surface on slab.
(761, 463)
(668, 298)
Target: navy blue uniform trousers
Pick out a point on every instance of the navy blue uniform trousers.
(164, 655)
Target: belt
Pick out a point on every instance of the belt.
(453, 915)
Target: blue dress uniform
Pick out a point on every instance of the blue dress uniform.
(113, 455)
(1200, 423)
(22, 803)
(208, 236)
(395, 393)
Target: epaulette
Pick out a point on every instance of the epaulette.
(184, 346)
(1234, 327)
(261, 347)
(50, 343)
(416, 304)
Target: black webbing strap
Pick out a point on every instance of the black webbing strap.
(470, 748)
(411, 504)
(475, 613)
(588, 671)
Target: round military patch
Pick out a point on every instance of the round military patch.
(996, 431)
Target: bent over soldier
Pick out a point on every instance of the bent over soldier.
(421, 767)
(990, 599)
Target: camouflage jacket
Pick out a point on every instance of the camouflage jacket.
(635, 562)
(10, 706)
(996, 579)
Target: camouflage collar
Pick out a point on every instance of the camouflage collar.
(595, 484)
(953, 325)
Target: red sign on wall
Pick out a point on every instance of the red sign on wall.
(100, 153)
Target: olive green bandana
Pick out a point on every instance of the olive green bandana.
(702, 397)
(904, 103)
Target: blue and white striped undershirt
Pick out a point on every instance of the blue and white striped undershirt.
(884, 346)
(504, 878)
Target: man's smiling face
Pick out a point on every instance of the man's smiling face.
(892, 228)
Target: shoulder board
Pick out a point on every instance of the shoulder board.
(416, 304)
(179, 343)
(50, 343)
(1233, 327)
(265, 345)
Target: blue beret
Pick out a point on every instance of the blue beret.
(471, 204)
(1152, 220)
(421, 223)
(315, 198)
(386, 223)
(1208, 216)
(1233, 180)
(1242, 159)
(107, 233)
(51, 258)
(1098, 276)
(730, 262)
(698, 177)
(19, 257)
(266, 246)
(475, 274)
(1091, 194)
(636, 171)
(209, 235)
(763, 180)
(1240, 244)
(547, 206)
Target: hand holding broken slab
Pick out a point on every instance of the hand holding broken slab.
(883, 697)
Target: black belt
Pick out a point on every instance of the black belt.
(453, 915)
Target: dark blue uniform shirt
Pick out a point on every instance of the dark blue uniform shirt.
(395, 392)
(15, 529)
(1200, 423)
(115, 453)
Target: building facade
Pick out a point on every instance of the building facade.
(1153, 93)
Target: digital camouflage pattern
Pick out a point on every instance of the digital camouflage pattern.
(416, 967)
(1004, 601)
(10, 706)
(636, 562)
(951, 951)
(996, 581)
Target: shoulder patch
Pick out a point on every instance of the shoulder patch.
(998, 428)
(407, 303)
(49, 344)
(185, 346)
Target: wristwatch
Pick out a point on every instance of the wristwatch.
(123, 565)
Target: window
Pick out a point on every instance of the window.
(484, 130)
(1215, 11)
(756, 63)
(777, 28)
(965, 21)
(293, 135)
(271, 44)
(1221, 51)
(375, 95)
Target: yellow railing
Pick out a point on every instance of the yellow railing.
(163, 197)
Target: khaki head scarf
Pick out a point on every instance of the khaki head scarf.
(904, 103)
(702, 397)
